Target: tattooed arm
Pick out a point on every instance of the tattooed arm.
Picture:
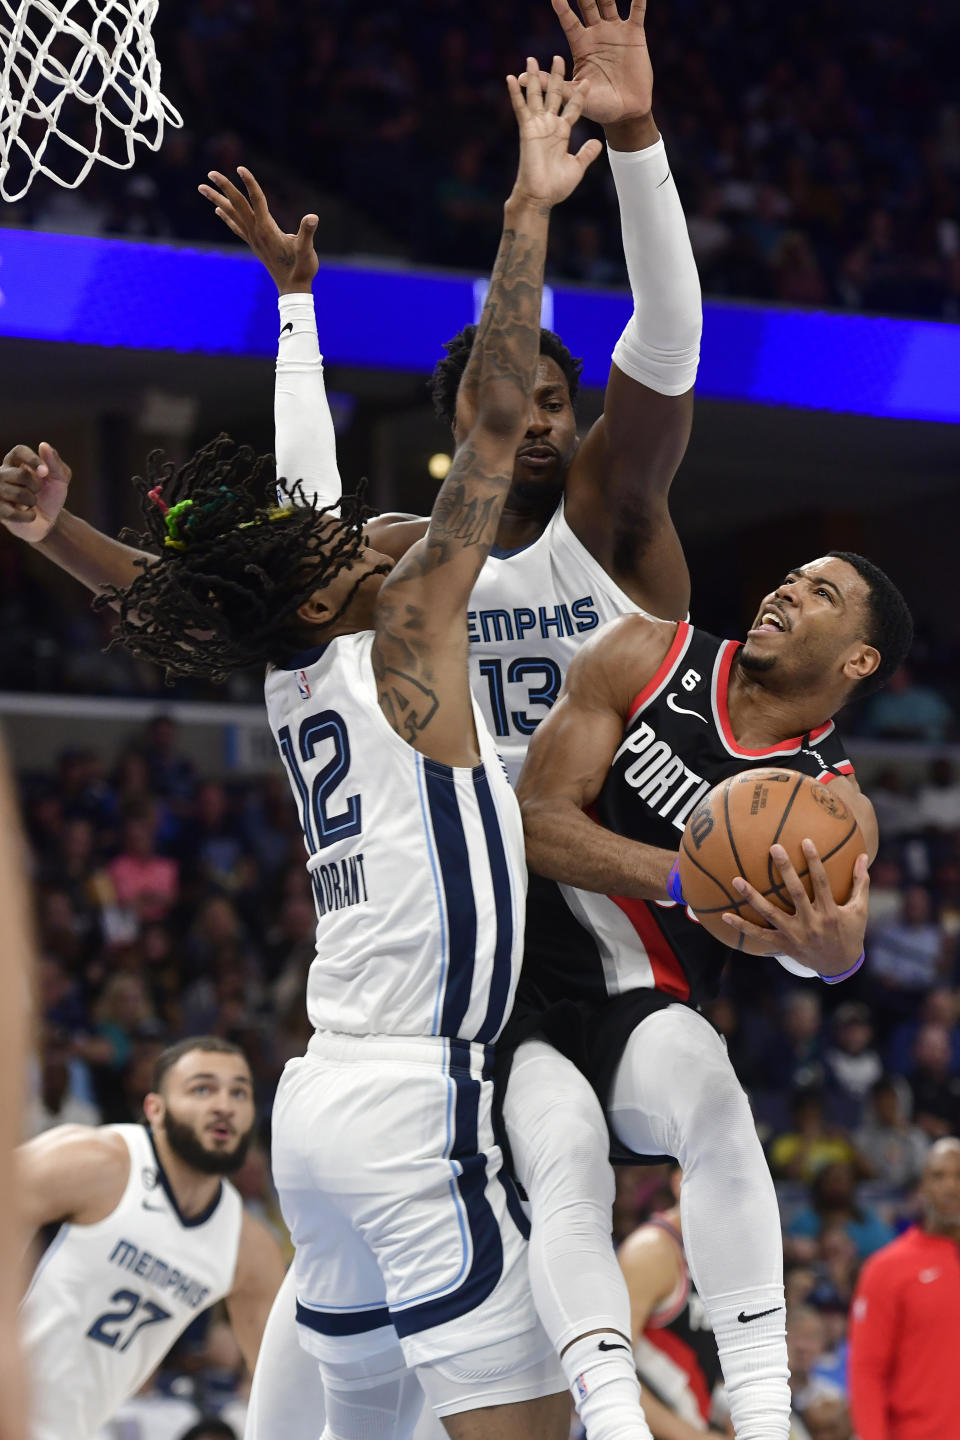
(420, 649)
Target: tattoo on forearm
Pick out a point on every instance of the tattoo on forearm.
(463, 516)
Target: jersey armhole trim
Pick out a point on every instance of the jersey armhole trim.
(189, 1222)
(663, 671)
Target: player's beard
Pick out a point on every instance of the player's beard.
(188, 1147)
(755, 664)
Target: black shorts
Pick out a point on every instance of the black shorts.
(592, 1035)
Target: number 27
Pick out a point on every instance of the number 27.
(128, 1302)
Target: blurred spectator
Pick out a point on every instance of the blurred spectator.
(893, 1148)
(794, 1058)
(171, 773)
(212, 847)
(142, 882)
(122, 1015)
(833, 1202)
(938, 802)
(835, 1271)
(909, 955)
(827, 1418)
(936, 1087)
(60, 1095)
(853, 1065)
(906, 710)
(805, 1345)
(938, 1007)
(802, 1153)
(897, 813)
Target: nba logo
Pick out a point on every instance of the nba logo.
(303, 685)
(581, 1387)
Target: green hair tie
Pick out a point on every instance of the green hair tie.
(180, 518)
(175, 521)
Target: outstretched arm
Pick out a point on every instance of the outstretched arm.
(616, 496)
(305, 442)
(420, 650)
(568, 760)
(33, 491)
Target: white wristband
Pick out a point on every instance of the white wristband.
(660, 347)
(305, 442)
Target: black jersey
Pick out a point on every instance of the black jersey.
(676, 1355)
(677, 744)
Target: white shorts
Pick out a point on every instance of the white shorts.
(390, 1182)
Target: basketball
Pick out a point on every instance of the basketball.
(732, 829)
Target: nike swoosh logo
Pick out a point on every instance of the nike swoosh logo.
(147, 1206)
(745, 1319)
(664, 180)
(679, 710)
(288, 326)
(927, 1275)
(606, 1345)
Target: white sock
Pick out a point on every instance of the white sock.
(750, 1330)
(602, 1378)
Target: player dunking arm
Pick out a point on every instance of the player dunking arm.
(673, 1344)
(626, 1009)
(150, 1235)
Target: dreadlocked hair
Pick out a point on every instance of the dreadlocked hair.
(448, 372)
(233, 566)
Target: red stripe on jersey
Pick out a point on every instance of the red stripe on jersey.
(662, 671)
(685, 1359)
(668, 973)
(723, 715)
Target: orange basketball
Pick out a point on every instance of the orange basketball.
(732, 829)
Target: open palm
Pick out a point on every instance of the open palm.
(612, 55)
(290, 259)
(548, 172)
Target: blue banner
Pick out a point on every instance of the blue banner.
(139, 296)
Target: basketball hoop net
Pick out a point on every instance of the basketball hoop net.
(74, 92)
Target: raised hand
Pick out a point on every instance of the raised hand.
(33, 489)
(290, 260)
(612, 54)
(548, 172)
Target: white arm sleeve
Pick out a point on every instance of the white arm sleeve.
(305, 442)
(660, 347)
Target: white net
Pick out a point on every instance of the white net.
(80, 82)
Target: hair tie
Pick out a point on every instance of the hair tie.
(158, 499)
(176, 521)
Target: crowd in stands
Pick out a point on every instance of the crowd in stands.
(170, 904)
(817, 147)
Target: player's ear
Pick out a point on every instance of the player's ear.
(153, 1107)
(314, 611)
(862, 662)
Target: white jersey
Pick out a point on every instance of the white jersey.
(108, 1300)
(530, 611)
(417, 868)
